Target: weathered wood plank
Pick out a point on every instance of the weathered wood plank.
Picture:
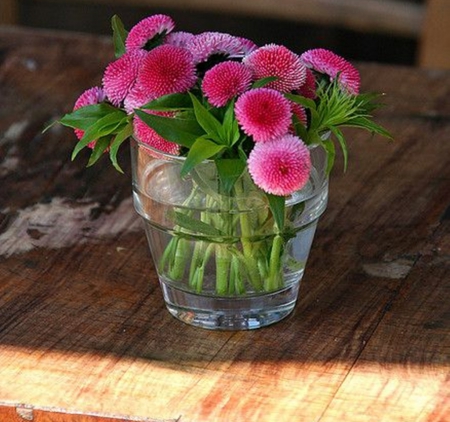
(403, 373)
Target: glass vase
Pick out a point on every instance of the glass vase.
(221, 260)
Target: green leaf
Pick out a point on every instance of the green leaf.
(107, 125)
(228, 118)
(315, 119)
(182, 131)
(340, 137)
(303, 101)
(100, 147)
(170, 102)
(264, 81)
(119, 139)
(331, 154)
(369, 125)
(201, 150)
(206, 120)
(277, 205)
(229, 170)
(86, 116)
(195, 226)
(226, 131)
(300, 129)
(367, 102)
(235, 133)
(119, 36)
(230, 128)
(49, 125)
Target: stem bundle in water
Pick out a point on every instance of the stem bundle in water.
(223, 235)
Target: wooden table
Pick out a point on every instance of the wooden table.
(85, 337)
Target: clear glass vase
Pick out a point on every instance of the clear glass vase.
(221, 260)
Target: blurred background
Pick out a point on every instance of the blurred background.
(405, 32)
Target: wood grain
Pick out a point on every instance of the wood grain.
(85, 337)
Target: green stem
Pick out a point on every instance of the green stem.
(238, 285)
(180, 257)
(199, 271)
(274, 279)
(223, 261)
(176, 254)
(247, 247)
(197, 262)
(201, 254)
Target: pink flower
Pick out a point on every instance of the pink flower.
(180, 38)
(281, 166)
(148, 136)
(278, 61)
(120, 75)
(263, 113)
(299, 112)
(329, 63)
(148, 30)
(91, 96)
(207, 44)
(247, 46)
(166, 69)
(225, 81)
(137, 97)
(308, 89)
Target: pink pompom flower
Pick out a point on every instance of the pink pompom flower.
(148, 30)
(179, 38)
(91, 96)
(247, 46)
(280, 62)
(137, 97)
(225, 81)
(329, 63)
(300, 113)
(208, 44)
(166, 69)
(281, 166)
(120, 75)
(263, 113)
(148, 136)
(308, 89)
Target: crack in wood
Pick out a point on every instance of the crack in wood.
(445, 215)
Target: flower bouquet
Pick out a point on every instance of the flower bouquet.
(232, 145)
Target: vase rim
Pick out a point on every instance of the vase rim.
(182, 159)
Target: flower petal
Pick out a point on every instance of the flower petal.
(277, 60)
(120, 75)
(148, 136)
(329, 63)
(281, 166)
(263, 113)
(225, 81)
(147, 30)
(166, 69)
